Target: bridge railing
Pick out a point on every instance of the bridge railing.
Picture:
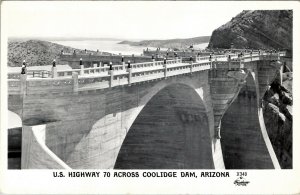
(67, 73)
(15, 75)
(39, 73)
(121, 74)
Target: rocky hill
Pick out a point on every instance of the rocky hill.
(278, 116)
(170, 43)
(35, 52)
(270, 29)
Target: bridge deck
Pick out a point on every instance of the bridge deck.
(102, 77)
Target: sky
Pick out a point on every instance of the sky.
(123, 20)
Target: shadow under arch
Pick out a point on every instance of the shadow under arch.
(244, 141)
(170, 132)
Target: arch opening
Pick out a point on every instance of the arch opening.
(171, 132)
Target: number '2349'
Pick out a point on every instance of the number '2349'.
(241, 174)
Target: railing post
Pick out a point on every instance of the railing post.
(241, 63)
(165, 66)
(191, 65)
(75, 82)
(129, 70)
(23, 78)
(153, 60)
(54, 71)
(111, 73)
(81, 70)
(229, 62)
(81, 67)
(123, 63)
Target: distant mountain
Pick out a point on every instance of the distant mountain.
(36, 52)
(64, 39)
(270, 29)
(169, 43)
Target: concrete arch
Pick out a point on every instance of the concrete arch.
(178, 136)
(106, 116)
(245, 144)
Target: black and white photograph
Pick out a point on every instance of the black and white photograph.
(119, 94)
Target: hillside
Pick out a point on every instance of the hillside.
(35, 52)
(278, 116)
(169, 43)
(270, 29)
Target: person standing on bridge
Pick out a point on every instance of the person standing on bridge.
(80, 61)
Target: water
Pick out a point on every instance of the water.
(112, 46)
(104, 45)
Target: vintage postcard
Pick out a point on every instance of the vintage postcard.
(149, 97)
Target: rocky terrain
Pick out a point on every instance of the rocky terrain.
(170, 43)
(270, 29)
(278, 116)
(35, 52)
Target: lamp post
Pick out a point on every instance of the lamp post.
(54, 63)
(110, 66)
(54, 69)
(128, 64)
(23, 71)
(129, 72)
(165, 66)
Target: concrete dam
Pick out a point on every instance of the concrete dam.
(200, 113)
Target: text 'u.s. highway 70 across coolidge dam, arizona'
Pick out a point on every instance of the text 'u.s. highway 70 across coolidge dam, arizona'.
(144, 174)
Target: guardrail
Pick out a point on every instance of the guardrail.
(138, 67)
